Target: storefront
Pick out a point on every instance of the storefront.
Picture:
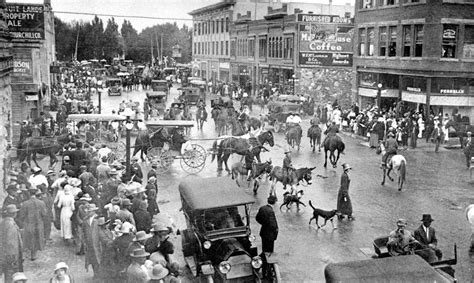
(224, 71)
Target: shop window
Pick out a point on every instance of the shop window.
(449, 42)
(280, 44)
(468, 48)
(371, 42)
(392, 45)
(414, 84)
(383, 41)
(419, 37)
(407, 41)
(450, 86)
(362, 40)
(471, 86)
(367, 79)
(262, 47)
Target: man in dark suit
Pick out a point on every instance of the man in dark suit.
(426, 235)
(269, 231)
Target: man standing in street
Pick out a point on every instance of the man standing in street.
(91, 239)
(438, 136)
(269, 231)
(11, 245)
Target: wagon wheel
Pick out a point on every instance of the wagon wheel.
(277, 126)
(165, 159)
(193, 159)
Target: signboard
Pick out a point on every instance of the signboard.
(22, 66)
(6, 64)
(325, 59)
(25, 87)
(34, 97)
(325, 40)
(25, 21)
(55, 69)
(451, 91)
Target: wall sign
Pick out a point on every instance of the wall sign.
(25, 21)
(22, 66)
(451, 91)
(413, 89)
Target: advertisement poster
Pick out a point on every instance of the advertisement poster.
(25, 21)
(325, 40)
(22, 66)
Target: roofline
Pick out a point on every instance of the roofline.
(211, 7)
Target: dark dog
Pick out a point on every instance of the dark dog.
(288, 199)
(326, 215)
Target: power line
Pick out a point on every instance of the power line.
(121, 16)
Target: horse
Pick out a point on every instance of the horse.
(293, 136)
(145, 141)
(254, 123)
(295, 176)
(397, 163)
(220, 117)
(201, 117)
(314, 135)
(259, 169)
(43, 145)
(331, 144)
(237, 128)
(223, 149)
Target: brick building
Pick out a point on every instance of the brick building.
(419, 51)
(6, 67)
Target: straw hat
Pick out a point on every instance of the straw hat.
(91, 207)
(19, 276)
(401, 222)
(159, 227)
(11, 208)
(75, 182)
(127, 228)
(158, 272)
(139, 253)
(141, 236)
(61, 265)
(86, 197)
(36, 170)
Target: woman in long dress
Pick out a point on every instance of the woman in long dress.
(66, 203)
(344, 204)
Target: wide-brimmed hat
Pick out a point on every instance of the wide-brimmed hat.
(401, 222)
(101, 221)
(11, 208)
(91, 207)
(139, 253)
(158, 272)
(427, 217)
(61, 265)
(127, 228)
(62, 173)
(86, 197)
(75, 182)
(36, 170)
(346, 166)
(159, 227)
(141, 236)
(115, 200)
(17, 276)
(113, 171)
(126, 202)
(12, 187)
(50, 172)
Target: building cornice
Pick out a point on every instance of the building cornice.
(220, 5)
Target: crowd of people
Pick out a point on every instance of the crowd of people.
(102, 214)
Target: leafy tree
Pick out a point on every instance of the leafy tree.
(111, 41)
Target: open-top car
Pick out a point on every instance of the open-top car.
(218, 244)
(191, 95)
(159, 87)
(114, 86)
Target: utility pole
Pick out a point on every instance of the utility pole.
(152, 56)
(77, 41)
(158, 50)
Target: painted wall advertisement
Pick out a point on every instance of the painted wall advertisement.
(22, 66)
(25, 21)
(325, 40)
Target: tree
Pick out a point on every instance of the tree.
(111, 41)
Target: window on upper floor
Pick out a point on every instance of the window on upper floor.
(419, 37)
(217, 26)
(195, 29)
(226, 47)
(407, 41)
(450, 41)
(382, 41)
(468, 47)
(367, 4)
(382, 3)
(199, 29)
(392, 41)
(222, 47)
(262, 47)
(413, 1)
(362, 41)
(213, 26)
(370, 41)
(222, 24)
(227, 24)
(288, 48)
(251, 47)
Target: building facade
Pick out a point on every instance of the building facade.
(33, 51)
(6, 67)
(420, 52)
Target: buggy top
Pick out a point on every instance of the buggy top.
(408, 268)
(96, 117)
(209, 193)
(170, 123)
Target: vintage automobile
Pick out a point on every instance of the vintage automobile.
(218, 244)
(159, 86)
(191, 95)
(157, 101)
(279, 111)
(409, 268)
(114, 86)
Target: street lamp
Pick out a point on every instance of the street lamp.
(379, 95)
(99, 93)
(294, 77)
(128, 127)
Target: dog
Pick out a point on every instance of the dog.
(326, 215)
(288, 199)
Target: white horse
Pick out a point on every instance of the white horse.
(470, 218)
(397, 163)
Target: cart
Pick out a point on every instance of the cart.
(279, 111)
(157, 102)
(102, 128)
(159, 87)
(191, 95)
(192, 156)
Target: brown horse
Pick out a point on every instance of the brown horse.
(42, 145)
(224, 148)
(238, 169)
(293, 136)
(293, 179)
(237, 128)
(220, 116)
(146, 140)
(331, 144)
(314, 135)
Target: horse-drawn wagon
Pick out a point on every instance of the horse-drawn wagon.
(165, 141)
(217, 242)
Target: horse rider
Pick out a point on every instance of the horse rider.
(244, 116)
(391, 146)
(25, 132)
(331, 131)
(315, 120)
(287, 169)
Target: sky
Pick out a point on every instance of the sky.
(177, 9)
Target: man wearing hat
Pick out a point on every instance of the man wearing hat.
(399, 238)
(108, 268)
(91, 239)
(37, 178)
(121, 244)
(67, 165)
(32, 216)
(139, 241)
(269, 231)
(124, 214)
(142, 217)
(391, 146)
(111, 185)
(160, 241)
(12, 198)
(135, 272)
(11, 245)
(438, 136)
(103, 170)
(426, 235)
(287, 167)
